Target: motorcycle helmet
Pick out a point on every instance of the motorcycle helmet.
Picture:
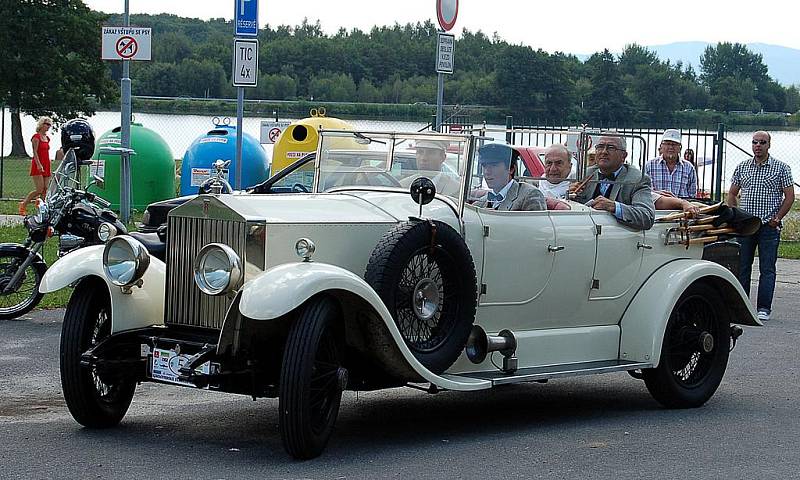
(78, 134)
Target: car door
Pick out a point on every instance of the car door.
(516, 261)
(565, 302)
(617, 265)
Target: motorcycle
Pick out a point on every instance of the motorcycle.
(79, 218)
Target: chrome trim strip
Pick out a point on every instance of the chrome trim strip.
(557, 371)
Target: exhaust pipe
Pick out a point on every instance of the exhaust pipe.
(479, 344)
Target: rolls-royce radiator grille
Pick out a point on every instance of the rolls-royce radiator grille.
(185, 304)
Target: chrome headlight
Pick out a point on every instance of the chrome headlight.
(217, 269)
(106, 231)
(305, 249)
(125, 260)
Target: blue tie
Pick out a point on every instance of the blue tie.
(495, 197)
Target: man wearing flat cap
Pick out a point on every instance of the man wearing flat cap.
(430, 155)
(617, 187)
(505, 193)
(669, 172)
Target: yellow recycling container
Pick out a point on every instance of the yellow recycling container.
(301, 138)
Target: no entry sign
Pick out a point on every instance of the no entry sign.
(446, 13)
(126, 43)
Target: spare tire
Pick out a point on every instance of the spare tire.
(425, 275)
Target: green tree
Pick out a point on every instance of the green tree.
(50, 62)
(792, 99)
(607, 103)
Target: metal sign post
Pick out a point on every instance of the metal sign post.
(446, 14)
(125, 134)
(245, 66)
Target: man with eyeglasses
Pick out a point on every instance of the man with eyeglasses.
(617, 187)
(668, 171)
(767, 191)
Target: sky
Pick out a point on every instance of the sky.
(575, 26)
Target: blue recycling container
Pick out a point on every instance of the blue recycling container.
(220, 144)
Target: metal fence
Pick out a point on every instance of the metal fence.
(717, 152)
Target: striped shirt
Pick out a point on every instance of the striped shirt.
(762, 186)
(682, 181)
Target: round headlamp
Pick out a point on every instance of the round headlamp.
(125, 260)
(305, 249)
(217, 269)
(106, 231)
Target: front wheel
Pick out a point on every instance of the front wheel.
(24, 294)
(312, 379)
(695, 349)
(94, 400)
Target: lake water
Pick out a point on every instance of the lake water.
(179, 131)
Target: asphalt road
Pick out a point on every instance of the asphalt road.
(603, 426)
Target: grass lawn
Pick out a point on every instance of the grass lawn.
(16, 177)
(17, 235)
(790, 250)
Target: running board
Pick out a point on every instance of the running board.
(556, 371)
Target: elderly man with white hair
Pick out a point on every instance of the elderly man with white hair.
(557, 168)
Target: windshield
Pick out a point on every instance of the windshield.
(391, 160)
(67, 175)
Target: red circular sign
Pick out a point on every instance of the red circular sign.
(447, 12)
(273, 134)
(127, 47)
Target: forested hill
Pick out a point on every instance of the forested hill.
(395, 64)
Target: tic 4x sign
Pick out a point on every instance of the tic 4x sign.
(245, 62)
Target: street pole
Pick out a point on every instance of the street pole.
(439, 101)
(125, 133)
(239, 115)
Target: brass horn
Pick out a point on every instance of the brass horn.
(479, 344)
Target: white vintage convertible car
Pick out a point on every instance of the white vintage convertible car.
(363, 283)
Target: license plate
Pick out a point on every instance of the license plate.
(166, 364)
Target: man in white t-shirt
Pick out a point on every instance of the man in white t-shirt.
(557, 168)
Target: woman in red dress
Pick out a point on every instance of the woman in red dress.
(40, 165)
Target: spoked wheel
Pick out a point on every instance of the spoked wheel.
(695, 350)
(425, 276)
(94, 400)
(312, 379)
(25, 294)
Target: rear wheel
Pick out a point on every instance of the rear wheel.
(695, 350)
(25, 295)
(93, 399)
(312, 379)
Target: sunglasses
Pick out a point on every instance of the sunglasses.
(759, 142)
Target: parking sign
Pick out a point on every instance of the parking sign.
(245, 19)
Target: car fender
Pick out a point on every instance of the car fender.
(142, 307)
(282, 289)
(645, 320)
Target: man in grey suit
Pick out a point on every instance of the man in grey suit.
(617, 187)
(505, 193)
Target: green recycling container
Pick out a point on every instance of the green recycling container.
(152, 168)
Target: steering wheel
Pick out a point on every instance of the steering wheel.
(299, 188)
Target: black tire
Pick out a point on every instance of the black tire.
(311, 379)
(407, 265)
(26, 295)
(690, 369)
(93, 401)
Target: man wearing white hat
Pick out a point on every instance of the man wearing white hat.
(430, 156)
(668, 171)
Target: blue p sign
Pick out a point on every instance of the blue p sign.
(245, 19)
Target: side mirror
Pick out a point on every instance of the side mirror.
(423, 190)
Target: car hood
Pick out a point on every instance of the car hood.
(352, 206)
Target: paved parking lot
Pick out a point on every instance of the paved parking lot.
(604, 426)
